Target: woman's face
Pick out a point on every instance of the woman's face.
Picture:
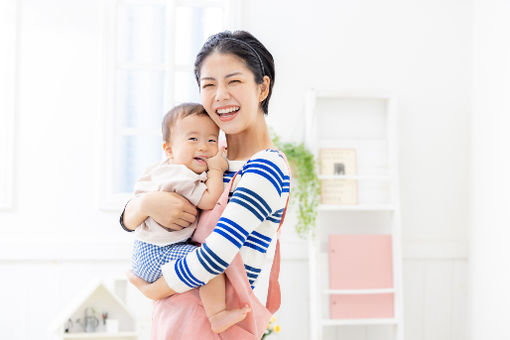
(229, 93)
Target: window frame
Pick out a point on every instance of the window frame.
(108, 200)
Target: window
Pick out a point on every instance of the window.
(8, 55)
(151, 69)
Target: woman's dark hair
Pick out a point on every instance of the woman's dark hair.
(244, 45)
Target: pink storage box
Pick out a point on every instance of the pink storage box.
(360, 262)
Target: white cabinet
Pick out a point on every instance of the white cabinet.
(364, 122)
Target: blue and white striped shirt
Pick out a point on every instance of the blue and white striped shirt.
(248, 224)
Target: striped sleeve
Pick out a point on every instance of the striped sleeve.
(257, 197)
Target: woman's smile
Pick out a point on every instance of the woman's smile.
(227, 113)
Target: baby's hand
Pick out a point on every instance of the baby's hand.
(218, 162)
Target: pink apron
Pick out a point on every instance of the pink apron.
(182, 316)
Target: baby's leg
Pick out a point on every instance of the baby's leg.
(213, 299)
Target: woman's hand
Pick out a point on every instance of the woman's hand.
(156, 291)
(169, 209)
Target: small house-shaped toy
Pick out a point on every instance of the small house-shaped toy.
(96, 313)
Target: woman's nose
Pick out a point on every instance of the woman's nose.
(221, 93)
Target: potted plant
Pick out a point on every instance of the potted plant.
(307, 191)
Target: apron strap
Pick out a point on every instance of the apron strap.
(274, 295)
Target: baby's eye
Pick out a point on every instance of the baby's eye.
(212, 140)
(194, 139)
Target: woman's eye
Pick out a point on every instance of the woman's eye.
(206, 85)
(235, 81)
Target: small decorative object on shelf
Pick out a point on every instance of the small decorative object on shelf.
(272, 327)
(104, 316)
(89, 322)
(68, 325)
(338, 162)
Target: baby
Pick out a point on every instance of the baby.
(194, 169)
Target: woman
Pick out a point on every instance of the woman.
(235, 74)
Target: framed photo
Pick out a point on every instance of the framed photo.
(335, 161)
(341, 162)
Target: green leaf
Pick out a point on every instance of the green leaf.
(307, 191)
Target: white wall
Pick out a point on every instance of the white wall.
(490, 254)
(419, 50)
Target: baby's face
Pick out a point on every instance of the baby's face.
(193, 140)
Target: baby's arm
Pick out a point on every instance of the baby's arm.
(217, 166)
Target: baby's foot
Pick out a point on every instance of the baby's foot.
(226, 318)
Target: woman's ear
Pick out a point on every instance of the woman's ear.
(264, 88)
(167, 147)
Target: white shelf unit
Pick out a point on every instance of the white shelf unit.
(367, 122)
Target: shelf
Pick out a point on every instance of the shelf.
(358, 291)
(332, 207)
(93, 335)
(366, 122)
(356, 322)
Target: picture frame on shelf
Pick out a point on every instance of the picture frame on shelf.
(338, 162)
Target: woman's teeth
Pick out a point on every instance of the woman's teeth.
(227, 110)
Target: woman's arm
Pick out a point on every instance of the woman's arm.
(156, 291)
(167, 208)
(258, 195)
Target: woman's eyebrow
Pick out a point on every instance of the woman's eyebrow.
(232, 74)
(227, 76)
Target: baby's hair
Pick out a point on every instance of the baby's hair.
(179, 112)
